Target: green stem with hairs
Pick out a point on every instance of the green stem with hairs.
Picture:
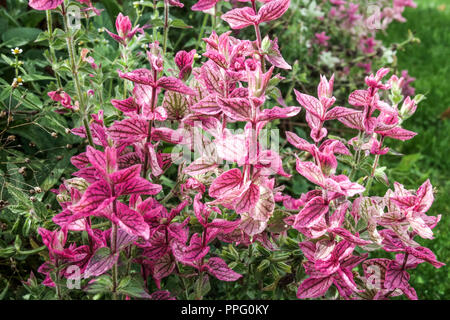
(75, 75)
(50, 44)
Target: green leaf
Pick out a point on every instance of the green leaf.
(178, 23)
(134, 287)
(20, 36)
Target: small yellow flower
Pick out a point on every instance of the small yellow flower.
(16, 51)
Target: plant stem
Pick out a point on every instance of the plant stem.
(166, 26)
(113, 251)
(150, 125)
(75, 75)
(50, 44)
(374, 167)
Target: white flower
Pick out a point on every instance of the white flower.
(16, 51)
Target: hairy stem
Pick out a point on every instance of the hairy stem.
(50, 44)
(75, 75)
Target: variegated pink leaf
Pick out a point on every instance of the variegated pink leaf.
(398, 133)
(125, 174)
(238, 109)
(174, 84)
(240, 17)
(311, 213)
(101, 262)
(311, 172)
(311, 104)
(203, 5)
(339, 112)
(247, 199)
(219, 269)
(218, 58)
(278, 113)
(298, 142)
(200, 166)
(163, 267)
(96, 197)
(45, 4)
(195, 251)
(207, 105)
(347, 235)
(314, 287)
(129, 130)
(225, 182)
(273, 10)
(137, 186)
(140, 76)
(359, 98)
(396, 277)
(130, 221)
(127, 106)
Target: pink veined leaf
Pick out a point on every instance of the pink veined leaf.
(347, 235)
(195, 251)
(298, 142)
(163, 267)
(218, 58)
(311, 104)
(410, 293)
(129, 130)
(339, 112)
(97, 159)
(273, 10)
(101, 261)
(130, 221)
(45, 4)
(207, 105)
(311, 172)
(200, 166)
(358, 98)
(425, 197)
(90, 174)
(314, 287)
(238, 109)
(80, 161)
(124, 239)
(398, 133)
(143, 96)
(263, 209)
(225, 226)
(354, 121)
(240, 17)
(219, 269)
(396, 277)
(125, 174)
(127, 106)
(248, 199)
(96, 197)
(202, 5)
(225, 182)
(252, 226)
(174, 84)
(425, 254)
(156, 250)
(140, 76)
(161, 295)
(138, 186)
(311, 213)
(278, 113)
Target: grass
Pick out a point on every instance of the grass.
(429, 62)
